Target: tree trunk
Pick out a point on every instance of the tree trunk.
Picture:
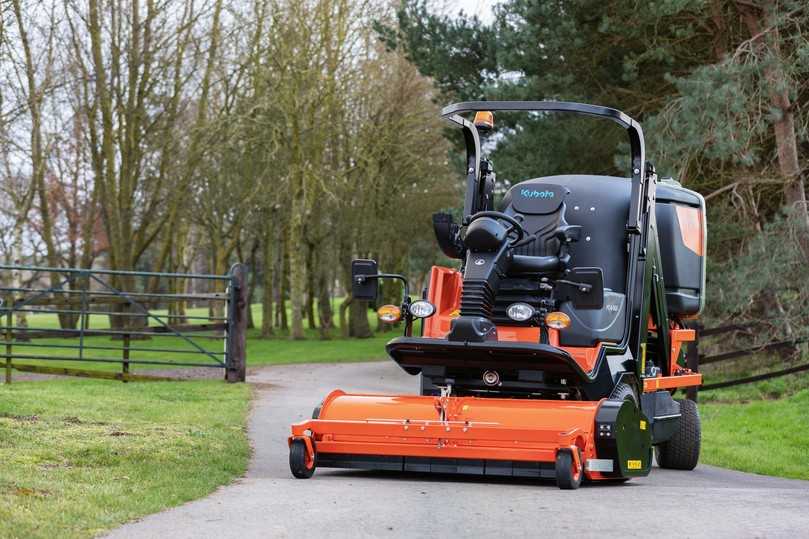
(17, 281)
(344, 326)
(358, 320)
(297, 263)
(252, 266)
(324, 304)
(784, 127)
(311, 292)
(269, 285)
(281, 300)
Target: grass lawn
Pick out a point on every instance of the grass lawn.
(766, 436)
(761, 427)
(83, 456)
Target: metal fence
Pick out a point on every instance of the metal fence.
(736, 354)
(68, 315)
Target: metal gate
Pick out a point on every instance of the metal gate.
(54, 317)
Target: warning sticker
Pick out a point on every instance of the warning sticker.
(642, 424)
(633, 464)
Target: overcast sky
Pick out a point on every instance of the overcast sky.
(481, 8)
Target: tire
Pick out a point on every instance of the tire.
(622, 392)
(681, 452)
(567, 478)
(299, 463)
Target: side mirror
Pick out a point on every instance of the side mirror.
(446, 232)
(584, 287)
(364, 287)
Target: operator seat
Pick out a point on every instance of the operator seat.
(541, 210)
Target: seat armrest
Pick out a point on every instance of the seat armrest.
(535, 264)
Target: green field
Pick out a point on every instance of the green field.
(83, 456)
(765, 436)
(761, 427)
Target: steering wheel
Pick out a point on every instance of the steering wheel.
(515, 226)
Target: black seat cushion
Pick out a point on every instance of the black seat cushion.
(541, 207)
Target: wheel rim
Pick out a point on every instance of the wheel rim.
(576, 470)
(308, 461)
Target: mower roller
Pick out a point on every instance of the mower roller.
(555, 348)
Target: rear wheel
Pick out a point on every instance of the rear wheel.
(568, 474)
(301, 464)
(681, 452)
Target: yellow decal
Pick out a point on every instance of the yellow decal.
(633, 464)
(643, 358)
(455, 314)
(642, 424)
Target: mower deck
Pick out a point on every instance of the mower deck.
(489, 436)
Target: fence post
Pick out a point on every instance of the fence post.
(236, 360)
(125, 362)
(9, 338)
(692, 359)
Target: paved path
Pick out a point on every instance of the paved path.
(708, 502)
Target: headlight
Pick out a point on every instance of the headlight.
(422, 309)
(520, 312)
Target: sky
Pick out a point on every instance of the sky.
(481, 8)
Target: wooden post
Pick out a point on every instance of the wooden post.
(125, 363)
(236, 361)
(692, 360)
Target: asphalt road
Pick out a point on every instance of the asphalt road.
(268, 502)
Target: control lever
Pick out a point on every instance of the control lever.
(584, 288)
(568, 233)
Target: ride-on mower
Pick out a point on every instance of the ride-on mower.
(555, 349)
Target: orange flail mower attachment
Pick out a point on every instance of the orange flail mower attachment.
(451, 427)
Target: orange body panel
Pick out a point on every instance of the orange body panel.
(451, 427)
(691, 228)
(671, 382)
(445, 293)
(677, 338)
(585, 357)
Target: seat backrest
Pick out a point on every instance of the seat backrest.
(600, 205)
(542, 210)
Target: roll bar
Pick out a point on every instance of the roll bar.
(452, 113)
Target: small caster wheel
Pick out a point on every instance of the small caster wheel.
(301, 464)
(568, 474)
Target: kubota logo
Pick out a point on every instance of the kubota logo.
(533, 193)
